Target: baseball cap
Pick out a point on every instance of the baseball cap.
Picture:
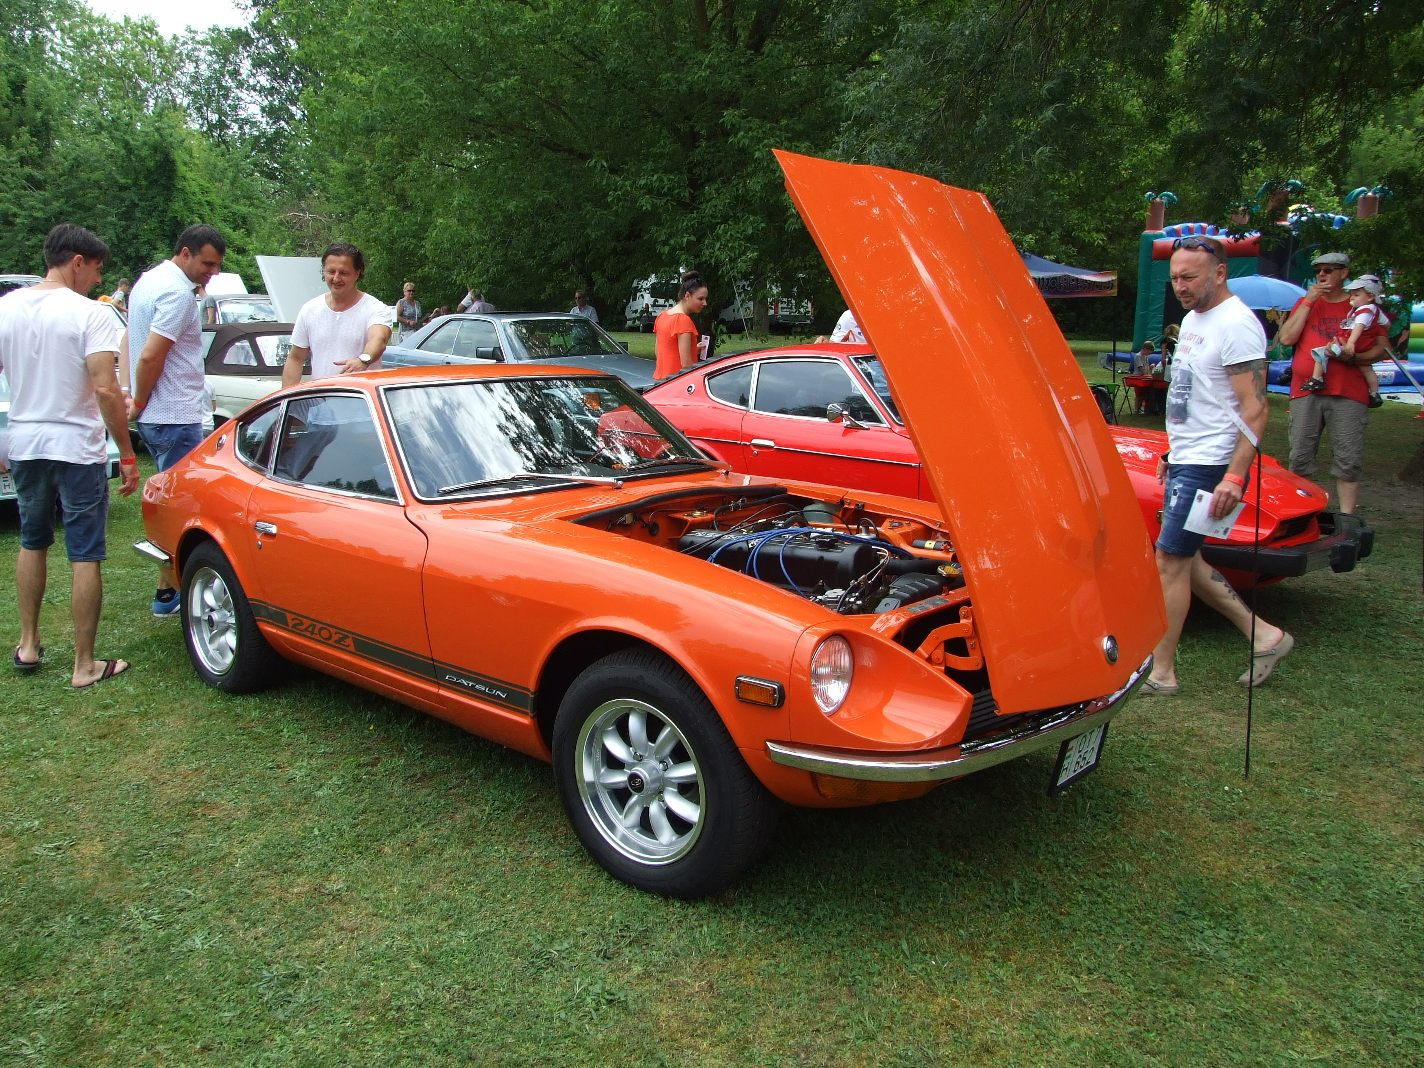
(1331, 259)
(1368, 282)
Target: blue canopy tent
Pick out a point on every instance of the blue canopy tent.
(1060, 280)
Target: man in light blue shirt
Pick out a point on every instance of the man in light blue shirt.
(583, 307)
(166, 351)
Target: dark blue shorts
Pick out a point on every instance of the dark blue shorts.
(1183, 481)
(83, 493)
(168, 443)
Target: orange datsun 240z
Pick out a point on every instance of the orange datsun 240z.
(534, 554)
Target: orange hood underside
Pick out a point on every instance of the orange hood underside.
(1045, 520)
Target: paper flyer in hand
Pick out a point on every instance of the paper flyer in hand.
(1199, 519)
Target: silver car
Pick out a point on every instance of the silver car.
(517, 337)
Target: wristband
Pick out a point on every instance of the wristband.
(129, 461)
(1235, 480)
(1166, 457)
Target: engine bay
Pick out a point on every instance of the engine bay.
(839, 554)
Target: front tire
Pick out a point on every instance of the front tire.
(652, 782)
(228, 652)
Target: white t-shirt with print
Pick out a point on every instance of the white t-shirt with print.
(847, 329)
(46, 335)
(333, 335)
(1200, 400)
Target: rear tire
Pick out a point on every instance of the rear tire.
(652, 782)
(228, 652)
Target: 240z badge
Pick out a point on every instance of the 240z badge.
(321, 632)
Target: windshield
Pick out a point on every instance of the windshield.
(504, 435)
(246, 311)
(555, 337)
(870, 369)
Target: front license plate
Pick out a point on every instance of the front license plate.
(7, 484)
(1077, 758)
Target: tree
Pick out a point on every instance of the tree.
(534, 146)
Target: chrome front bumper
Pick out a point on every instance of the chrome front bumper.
(955, 761)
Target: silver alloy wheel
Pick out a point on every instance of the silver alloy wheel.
(640, 782)
(212, 621)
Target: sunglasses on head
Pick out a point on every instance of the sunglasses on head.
(1202, 244)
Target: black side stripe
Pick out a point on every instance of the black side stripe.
(448, 676)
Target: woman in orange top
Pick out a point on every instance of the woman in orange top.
(677, 334)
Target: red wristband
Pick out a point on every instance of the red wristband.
(1235, 480)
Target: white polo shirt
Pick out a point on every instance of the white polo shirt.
(162, 302)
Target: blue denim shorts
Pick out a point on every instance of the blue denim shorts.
(168, 443)
(83, 492)
(1183, 481)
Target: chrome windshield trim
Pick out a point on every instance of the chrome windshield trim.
(153, 552)
(955, 761)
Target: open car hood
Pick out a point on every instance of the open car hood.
(1066, 596)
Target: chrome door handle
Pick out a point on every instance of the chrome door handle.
(763, 443)
(269, 529)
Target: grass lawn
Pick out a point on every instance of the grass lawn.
(316, 876)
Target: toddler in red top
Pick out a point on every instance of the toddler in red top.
(1359, 330)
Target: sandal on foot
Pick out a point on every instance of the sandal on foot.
(1312, 385)
(111, 668)
(1149, 688)
(27, 667)
(1265, 661)
(1376, 401)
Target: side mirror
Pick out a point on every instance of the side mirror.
(489, 352)
(836, 413)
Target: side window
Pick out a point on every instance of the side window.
(480, 334)
(332, 443)
(807, 388)
(443, 340)
(274, 348)
(733, 387)
(255, 437)
(239, 354)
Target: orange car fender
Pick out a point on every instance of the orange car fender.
(897, 700)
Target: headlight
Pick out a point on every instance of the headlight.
(832, 667)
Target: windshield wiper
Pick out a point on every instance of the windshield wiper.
(670, 461)
(529, 476)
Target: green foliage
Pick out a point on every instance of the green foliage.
(95, 129)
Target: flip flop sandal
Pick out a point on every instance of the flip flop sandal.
(111, 668)
(27, 667)
(1157, 689)
(1264, 662)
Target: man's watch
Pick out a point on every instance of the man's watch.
(365, 359)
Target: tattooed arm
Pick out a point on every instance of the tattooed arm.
(1248, 382)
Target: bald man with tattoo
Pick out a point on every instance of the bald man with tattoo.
(1216, 413)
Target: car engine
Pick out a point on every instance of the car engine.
(838, 554)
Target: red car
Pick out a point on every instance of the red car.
(825, 412)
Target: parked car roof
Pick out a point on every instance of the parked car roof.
(518, 337)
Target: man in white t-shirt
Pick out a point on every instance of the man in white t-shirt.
(1216, 413)
(58, 349)
(344, 330)
(847, 329)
